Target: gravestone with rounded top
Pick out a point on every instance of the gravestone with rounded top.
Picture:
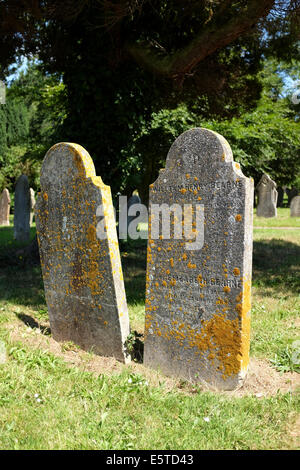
(81, 264)
(4, 207)
(22, 210)
(291, 193)
(295, 206)
(267, 197)
(199, 285)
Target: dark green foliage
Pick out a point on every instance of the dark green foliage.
(29, 120)
(14, 131)
(14, 120)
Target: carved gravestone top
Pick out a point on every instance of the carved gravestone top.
(295, 206)
(22, 210)
(267, 197)
(198, 286)
(82, 272)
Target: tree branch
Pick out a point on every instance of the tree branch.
(184, 61)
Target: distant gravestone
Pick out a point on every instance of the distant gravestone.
(82, 273)
(291, 193)
(267, 197)
(198, 294)
(4, 207)
(32, 204)
(295, 206)
(22, 210)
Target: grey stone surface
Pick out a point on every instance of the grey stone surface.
(82, 273)
(295, 206)
(198, 301)
(22, 210)
(267, 197)
(4, 207)
(32, 204)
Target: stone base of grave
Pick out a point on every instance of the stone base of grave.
(200, 370)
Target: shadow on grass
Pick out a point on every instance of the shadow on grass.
(22, 285)
(276, 264)
(32, 323)
(7, 238)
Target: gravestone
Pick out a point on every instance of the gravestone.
(267, 197)
(22, 210)
(4, 207)
(32, 204)
(198, 293)
(82, 272)
(291, 193)
(295, 206)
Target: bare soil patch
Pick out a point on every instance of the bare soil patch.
(262, 380)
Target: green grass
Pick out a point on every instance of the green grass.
(47, 403)
(283, 219)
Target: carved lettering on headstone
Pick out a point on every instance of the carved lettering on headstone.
(198, 300)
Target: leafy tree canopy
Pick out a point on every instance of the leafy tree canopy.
(28, 122)
(126, 63)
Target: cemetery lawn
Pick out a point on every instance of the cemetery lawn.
(55, 396)
(283, 219)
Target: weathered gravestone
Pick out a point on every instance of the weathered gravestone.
(22, 210)
(267, 197)
(82, 272)
(198, 297)
(295, 206)
(32, 204)
(4, 207)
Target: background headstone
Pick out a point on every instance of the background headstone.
(32, 204)
(295, 206)
(291, 193)
(198, 301)
(4, 207)
(267, 197)
(82, 274)
(22, 210)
